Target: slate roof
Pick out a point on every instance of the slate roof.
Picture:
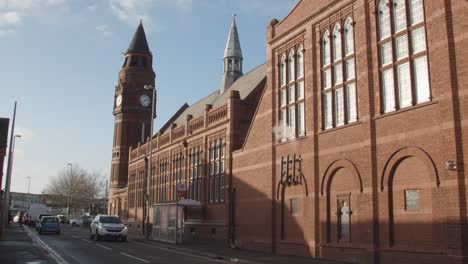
(139, 42)
(233, 47)
(245, 85)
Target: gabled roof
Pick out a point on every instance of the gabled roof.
(139, 42)
(245, 85)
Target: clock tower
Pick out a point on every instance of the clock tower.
(132, 106)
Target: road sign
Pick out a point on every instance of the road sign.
(181, 189)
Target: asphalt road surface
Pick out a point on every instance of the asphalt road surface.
(74, 246)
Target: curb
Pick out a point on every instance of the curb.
(37, 242)
(200, 253)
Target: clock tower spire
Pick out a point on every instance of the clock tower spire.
(132, 106)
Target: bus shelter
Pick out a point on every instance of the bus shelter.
(168, 221)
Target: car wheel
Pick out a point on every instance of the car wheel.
(124, 239)
(98, 237)
(74, 225)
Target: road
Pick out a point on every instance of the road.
(74, 246)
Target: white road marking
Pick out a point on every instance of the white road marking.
(86, 240)
(43, 245)
(103, 246)
(133, 257)
(75, 236)
(181, 252)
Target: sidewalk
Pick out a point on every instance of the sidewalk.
(218, 250)
(16, 246)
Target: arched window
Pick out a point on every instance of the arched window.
(326, 48)
(349, 36)
(384, 20)
(291, 65)
(300, 62)
(283, 70)
(336, 43)
(229, 65)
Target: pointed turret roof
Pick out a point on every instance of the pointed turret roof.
(139, 43)
(233, 48)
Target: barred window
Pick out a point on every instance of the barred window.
(339, 98)
(217, 170)
(405, 76)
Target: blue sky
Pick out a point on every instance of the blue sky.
(60, 60)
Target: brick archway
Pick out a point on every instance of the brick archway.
(398, 156)
(420, 173)
(336, 166)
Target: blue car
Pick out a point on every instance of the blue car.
(49, 224)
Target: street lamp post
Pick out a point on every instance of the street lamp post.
(69, 191)
(150, 167)
(29, 182)
(6, 203)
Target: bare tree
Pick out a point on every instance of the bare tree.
(67, 188)
(95, 184)
(76, 188)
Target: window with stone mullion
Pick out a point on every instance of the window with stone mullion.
(403, 56)
(291, 95)
(339, 76)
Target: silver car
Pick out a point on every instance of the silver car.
(108, 226)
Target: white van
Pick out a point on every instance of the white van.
(35, 210)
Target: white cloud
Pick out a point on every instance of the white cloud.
(13, 12)
(9, 18)
(104, 29)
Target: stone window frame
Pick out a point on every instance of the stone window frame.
(289, 107)
(195, 173)
(394, 102)
(340, 199)
(330, 63)
(178, 168)
(217, 170)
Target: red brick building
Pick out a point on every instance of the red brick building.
(367, 107)
(351, 148)
(194, 147)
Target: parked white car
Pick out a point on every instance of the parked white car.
(84, 219)
(108, 226)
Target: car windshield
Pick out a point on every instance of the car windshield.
(110, 220)
(49, 220)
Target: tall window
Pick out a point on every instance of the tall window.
(339, 99)
(217, 168)
(344, 217)
(404, 73)
(291, 97)
(163, 178)
(283, 70)
(177, 172)
(195, 173)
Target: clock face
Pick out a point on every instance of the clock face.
(145, 100)
(118, 100)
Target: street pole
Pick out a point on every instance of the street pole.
(29, 182)
(69, 191)
(29, 185)
(5, 205)
(150, 167)
(105, 206)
